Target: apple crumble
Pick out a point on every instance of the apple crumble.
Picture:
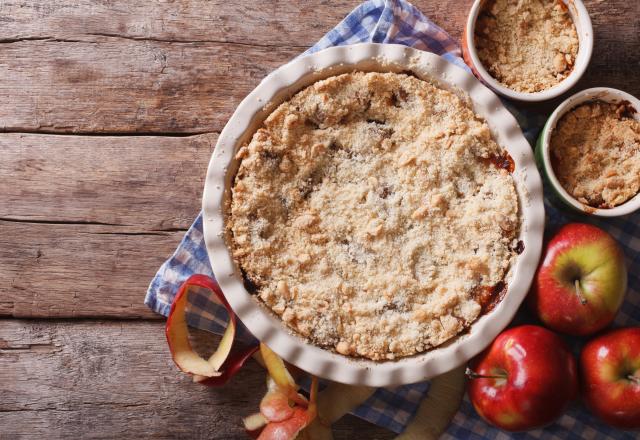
(595, 153)
(527, 45)
(373, 213)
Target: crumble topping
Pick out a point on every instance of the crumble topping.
(527, 45)
(595, 153)
(369, 214)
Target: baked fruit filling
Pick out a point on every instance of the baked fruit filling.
(375, 214)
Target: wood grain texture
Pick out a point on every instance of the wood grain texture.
(115, 69)
(267, 23)
(106, 380)
(85, 221)
(616, 52)
(69, 270)
(114, 85)
(142, 183)
(121, 68)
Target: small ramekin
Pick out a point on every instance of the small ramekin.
(543, 159)
(582, 21)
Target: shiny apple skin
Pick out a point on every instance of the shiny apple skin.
(540, 381)
(606, 363)
(584, 252)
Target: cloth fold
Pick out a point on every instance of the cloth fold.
(399, 22)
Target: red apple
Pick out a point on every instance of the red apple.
(524, 380)
(611, 377)
(581, 281)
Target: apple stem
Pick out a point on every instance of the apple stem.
(583, 300)
(473, 375)
(634, 378)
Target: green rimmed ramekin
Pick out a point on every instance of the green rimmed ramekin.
(559, 196)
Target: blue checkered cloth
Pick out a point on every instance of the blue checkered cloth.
(397, 21)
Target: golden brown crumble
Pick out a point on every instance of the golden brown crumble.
(365, 212)
(527, 45)
(595, 152)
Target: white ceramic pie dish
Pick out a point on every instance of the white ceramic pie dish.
(279, 86)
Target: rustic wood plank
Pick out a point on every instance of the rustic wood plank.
(85, 221)
(107, 84)
(113, 85)
(266, 23)
(616, 51)
(179, 80)
(146, 183)
(106, 379)
(69, 270)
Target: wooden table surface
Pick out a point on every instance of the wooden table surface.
(109, 113)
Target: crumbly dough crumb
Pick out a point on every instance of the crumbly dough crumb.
(595, 152)
(527, 45)
(368, 213)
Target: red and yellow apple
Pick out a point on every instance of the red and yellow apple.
(523, 380)
(610, 366)
(581, 281)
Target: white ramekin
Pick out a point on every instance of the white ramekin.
(252, 111)
(605, 94)
(582, 21)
